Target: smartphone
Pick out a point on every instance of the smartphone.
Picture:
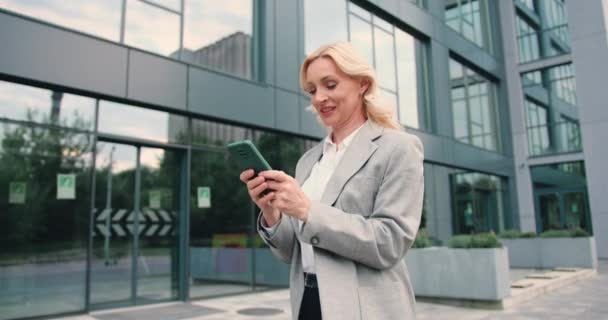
(247, 156)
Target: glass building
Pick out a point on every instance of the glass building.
(115, 185)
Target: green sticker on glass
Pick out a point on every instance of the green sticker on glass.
(16, 193)
(154, 199)
(66, 186)
(204, 197)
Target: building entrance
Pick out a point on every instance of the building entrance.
(562, 208)
(139, 202)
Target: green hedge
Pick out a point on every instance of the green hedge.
(480, 240)
(515, 234)
(571, 233)
(422, 239)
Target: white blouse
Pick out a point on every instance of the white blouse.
(314, 187)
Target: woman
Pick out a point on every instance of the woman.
(346, 230)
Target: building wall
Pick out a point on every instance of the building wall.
(588, 31)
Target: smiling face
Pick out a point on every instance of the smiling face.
(336, 96)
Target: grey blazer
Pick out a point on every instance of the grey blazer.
(361, 229)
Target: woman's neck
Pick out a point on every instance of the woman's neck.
(340, 133)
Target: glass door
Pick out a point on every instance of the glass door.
(135, 257)
(562, 209)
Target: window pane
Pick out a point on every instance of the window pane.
(170, 4)
(97, 17)
(362, 13)
(44, 232)
(407, 70)
(135, 122)
(324, 22)
(361, 37)
(19, 102)
(385, 59)
(219, 35)
(478, 202)
(161, 36)
(390, 98)
(469, 18)
(478, 127)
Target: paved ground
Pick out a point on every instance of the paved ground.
(586, 299)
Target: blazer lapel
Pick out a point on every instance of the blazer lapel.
(356, 155)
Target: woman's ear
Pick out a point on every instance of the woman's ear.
(363, 86)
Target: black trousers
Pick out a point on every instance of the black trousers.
(310, 309)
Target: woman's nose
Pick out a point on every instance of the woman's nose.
(319, 99)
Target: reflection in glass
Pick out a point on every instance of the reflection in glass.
(561, 196)
(221, 227)
(112, 241)
(538, 130)
(169, 4)
(470, 18)
(218, 35)
(43, 229)
(407, 71)
(479, 202)
(384, 46)
(151, 28)
(473, 107)
(136, 122)
(158, 260)
(97, 17)
(324, 22)
(360, 35)
(527, 40)
(25, 103)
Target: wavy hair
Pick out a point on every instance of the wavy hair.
(349, 61)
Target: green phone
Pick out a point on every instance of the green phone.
(247, 156)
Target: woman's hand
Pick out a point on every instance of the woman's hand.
(288, 197)
(255, 187)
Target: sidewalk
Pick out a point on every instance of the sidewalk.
(585, 299)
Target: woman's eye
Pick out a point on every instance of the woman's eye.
(312, 92)
(331, 85)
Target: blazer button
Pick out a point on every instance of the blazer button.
(314, 241)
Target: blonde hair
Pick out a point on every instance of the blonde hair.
(349, 61)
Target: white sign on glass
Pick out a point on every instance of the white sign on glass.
(66, 186)
(204, 197)
(16, 193)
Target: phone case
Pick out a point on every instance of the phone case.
(247, 156)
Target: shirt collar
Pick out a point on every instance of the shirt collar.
(344, 144)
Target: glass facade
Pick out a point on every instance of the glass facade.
(542, 29)
(474, 107)
(527, 40)
(538, 128)
(216, 35)
(46, 152)
(479, 203)
(551, 111)
(398, 58)
(470, 18)
(132, 186)
(560, 195)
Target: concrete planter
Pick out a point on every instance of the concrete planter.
(523, 252)
(475, 274)
(552, 252)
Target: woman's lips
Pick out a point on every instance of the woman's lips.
(326, 111)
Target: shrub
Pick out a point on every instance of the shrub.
(510, 234)
(555, 234)
(515, 234)
(480, 240)
(422, 239)
(579, 233)
(530, 234)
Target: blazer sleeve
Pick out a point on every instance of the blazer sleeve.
(281, 241)
(381, 239)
